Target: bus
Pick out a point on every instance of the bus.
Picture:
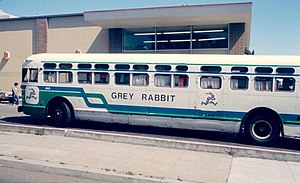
(257, 96)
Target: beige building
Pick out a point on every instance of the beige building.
(197, 29)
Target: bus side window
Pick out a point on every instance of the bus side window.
(33, 75)
(181, 80)
(263, 83)
(122, 79)
(85, 77)
(65, 77)
(239, 82)
(101, 77)
(285, 84)
(25, 76)
(50, 77)
(162, 80)
(210, 82)
(140, 79)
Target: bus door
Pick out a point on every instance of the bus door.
(209, 95)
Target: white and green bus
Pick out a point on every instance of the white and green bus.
(258, 96)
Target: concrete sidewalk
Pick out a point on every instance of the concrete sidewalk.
(120, 162)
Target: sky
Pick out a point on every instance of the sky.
(275, 28)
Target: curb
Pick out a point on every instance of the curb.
(232, 150)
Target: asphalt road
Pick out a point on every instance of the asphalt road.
(9, 114)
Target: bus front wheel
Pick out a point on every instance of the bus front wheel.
(261, 130)
(61, 114)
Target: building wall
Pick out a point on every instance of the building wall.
(67, 34)
(17, 38)
(25, 37)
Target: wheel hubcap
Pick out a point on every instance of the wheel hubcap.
(262, 129)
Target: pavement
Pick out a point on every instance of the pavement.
(117, 161)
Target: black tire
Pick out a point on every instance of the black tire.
(60, 114)
(262, 130)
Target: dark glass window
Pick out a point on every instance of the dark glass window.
(122, 78)
(169, 38)
(65, 66)
(239, 82)
(102, 66)
(139, 39)
(282, 70)
(211, 69)
(49, 65)
(285, 84)
(122, 66)
(239, 69)
(141, 67)
(181, 68)
(25, 76)
(204, 37)
(263, 70)
(84, 66)
(163, 67)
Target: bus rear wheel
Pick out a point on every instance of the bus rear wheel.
(262, 130)
(60, 114)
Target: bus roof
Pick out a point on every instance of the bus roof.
(185, 59)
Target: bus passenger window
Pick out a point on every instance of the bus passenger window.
(33, 75)
(65, 77)
(101, 78)
(25, 76)
(263, 83)
(285, 84)
(239, 82)
(122, 79)
(210, 82)
(49, 76)
(181, 81)
(140, 79)
(162, 80)
(85, 77)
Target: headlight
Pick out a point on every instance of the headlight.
(6, 95)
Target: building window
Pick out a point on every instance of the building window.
(163, 39)
(169, 38)
(209, 37)
(139, 39)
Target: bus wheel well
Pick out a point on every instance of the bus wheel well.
(55, 101)
(263, 111)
